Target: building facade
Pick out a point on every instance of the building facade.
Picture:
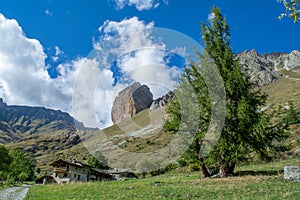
(65, 171)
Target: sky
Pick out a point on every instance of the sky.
(55, 52)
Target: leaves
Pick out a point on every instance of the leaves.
(247, 130)
(291, 10)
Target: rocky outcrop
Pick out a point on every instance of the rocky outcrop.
(265, 69)
(292, 173)
(162, 101)
(284, 60)
(260, 69)
(132, 100)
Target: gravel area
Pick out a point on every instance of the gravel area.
(14, 193)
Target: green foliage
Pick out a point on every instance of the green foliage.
(289, 115)
(16, 165)
(247, 129)
(291, 9)
(98, 161)
(20, 166)
(5, 161)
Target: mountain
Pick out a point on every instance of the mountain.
(130, 101)
(266, 69)
(52, 134)
(19, 122)
(38, 130)
(162, 101)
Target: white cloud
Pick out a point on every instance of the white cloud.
(136, 51)
(139, 4)
(48, 12)
(24, 79)
(139, 57)
(57, 54)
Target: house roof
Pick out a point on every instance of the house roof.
(73, 162)
(79, 164)
(118, 171)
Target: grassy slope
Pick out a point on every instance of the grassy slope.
(181, 186)
(282, 91)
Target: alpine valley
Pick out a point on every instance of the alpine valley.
(51, 134)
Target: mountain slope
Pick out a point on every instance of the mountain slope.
(19, 122)
(51, 134)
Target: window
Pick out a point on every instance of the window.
(74, 175)
(65, 175)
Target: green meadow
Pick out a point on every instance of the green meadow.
(262, 185)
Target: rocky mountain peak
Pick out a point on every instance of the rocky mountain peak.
(265, 69)
(258, 67)
(162, 101)
(132, 100)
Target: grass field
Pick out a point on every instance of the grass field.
(181, 186)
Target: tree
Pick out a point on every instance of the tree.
(98, 161)
(20, 167)
(5, 161)
(289, 115)
(247, 129)
(291, 9)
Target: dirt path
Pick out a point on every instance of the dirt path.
(14, 193)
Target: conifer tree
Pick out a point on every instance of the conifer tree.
(247, 129)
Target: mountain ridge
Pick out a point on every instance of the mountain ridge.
(45, 132)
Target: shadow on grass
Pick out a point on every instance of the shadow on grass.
(258, 173)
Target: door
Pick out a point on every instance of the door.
(78, 177)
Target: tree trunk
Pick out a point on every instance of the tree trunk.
(204, 170)
(226, 169)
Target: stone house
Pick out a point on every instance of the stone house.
(65, 171)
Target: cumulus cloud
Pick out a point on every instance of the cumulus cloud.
(136, 51)
(24, 79)
(139, 4)
(127, 45)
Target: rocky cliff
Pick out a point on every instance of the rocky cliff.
(162, 101)
(287, 61)
(265, 69)
(260, 69)
(130, 101)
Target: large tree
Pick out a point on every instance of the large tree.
(247, 129)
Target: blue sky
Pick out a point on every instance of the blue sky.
(45, 46)
(72, 24)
